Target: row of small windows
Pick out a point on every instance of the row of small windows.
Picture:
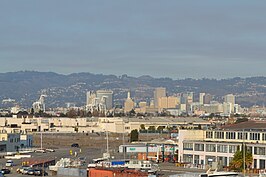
(210, 147)
(221, 148)
(235, 135)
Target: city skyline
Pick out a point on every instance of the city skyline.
(186, 39)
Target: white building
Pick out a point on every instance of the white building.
(204, 147)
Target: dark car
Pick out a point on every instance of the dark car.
(75, 145)
(5, 171)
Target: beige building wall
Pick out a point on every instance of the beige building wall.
(188, 135)
(129, 105)
(162, 102)
(158, 93)
(172, 102)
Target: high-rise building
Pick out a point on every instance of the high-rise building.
(106, 97)
(190, 97)
(168, 102)
(91, 96)
(187, 98)
(143, 106)
(230, 98)
(158, 93)
(129, 103)
(172, 102)
(207, 98)
(201, 98)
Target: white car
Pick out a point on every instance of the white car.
(9, 163)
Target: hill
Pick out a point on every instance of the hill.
(26, 86)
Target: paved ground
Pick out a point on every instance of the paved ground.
(89, 153)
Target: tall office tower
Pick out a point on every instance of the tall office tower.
(129, 103)
(201, 98)
(91, 97)
(105, 97)
(152, 104)
(143, 106)
(207, 98)
(230, 98)
(158, 93)
(162, 103)
(190, 97)
(172, 102)
(187, 98)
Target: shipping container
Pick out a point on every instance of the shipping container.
(115, 173)
(118, 163)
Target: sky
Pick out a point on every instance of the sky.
(173, 38)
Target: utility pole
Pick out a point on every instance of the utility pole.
(244, 153)
(107, 142)
(41, 140)
(124, 152)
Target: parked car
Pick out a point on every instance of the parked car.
(50, 150)
(30, 172)
(5, 171)
(40, 172)
(23, 169)
(75, 145)
(40, 151)
(9, 163)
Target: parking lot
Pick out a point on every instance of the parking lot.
(87, 153)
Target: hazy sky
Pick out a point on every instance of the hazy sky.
(177, 39)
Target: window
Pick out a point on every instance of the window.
(222, 148)
(240, 136)
(188, 146)
(232, 148)
(255, 163)
(262, 164)
(222, 160)
(259, 150)
(210, 159)
(263, 136)
(199, 147)
(230, 135)
(254, 136)
(196, 159)
(210, 148)
(219, 135)
(209, 134)
(188, 158)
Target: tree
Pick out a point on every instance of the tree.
(142, 127)
(239, 120)
(160, 128)
(134, 135)
(71, 113)
(152, 128)
(238, 160)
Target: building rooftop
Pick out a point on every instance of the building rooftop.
(248, 125)
(185, 120)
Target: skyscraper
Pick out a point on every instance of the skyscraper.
(158, 93)
(129, 103)
(201, 98)
(230, 98)
(207, 98)
(105, 96)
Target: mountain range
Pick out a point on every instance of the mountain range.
(26, 87)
